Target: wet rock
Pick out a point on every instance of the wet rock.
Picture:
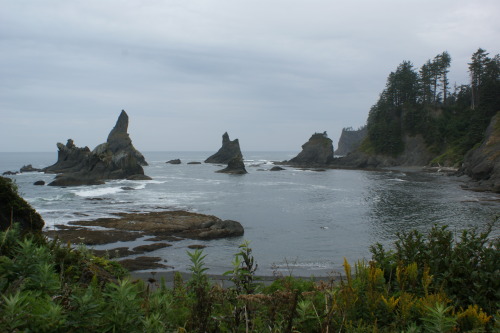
(235, 167)
(143, 263)
(39, 183)
(176, 161)
(196, 247)
(194, 163)
(10, 173)
(150, 247)
(118, 252)
(276, 168)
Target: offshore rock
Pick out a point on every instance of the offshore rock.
(115, 159)
(350, 140)
(228, 151)
(14, 209)
(483, 163)
(29, 168)
(318, 151)
(69, 158)
(235, 167)
(176, 161)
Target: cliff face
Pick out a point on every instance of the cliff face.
(228, 151)
(415, 154)
(318, 151)
(350, 140)
(483, 163)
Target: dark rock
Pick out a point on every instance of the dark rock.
(69, 158)
(14, 209)
(9, 173)
(142, 263)
(235, 167)
(118, 252)
(318, 151)
(350, 140)
(276, 168)
(39, 183)
(168, 223)
(115, 159)
(80, 235)
(176, 161)
(228, 151)
(29, 168)
(150, 247)
(194, 163)
(127, 188)
(196, 247)
(483, 163)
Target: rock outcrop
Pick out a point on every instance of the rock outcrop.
(115, 159)
(235, 167)
(415, 153)
(483, 163)
(29, 168)
(318, 151)
(176, 161)
(228, 151)
(350, 140)
(14, 209)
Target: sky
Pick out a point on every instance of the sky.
(269, 72)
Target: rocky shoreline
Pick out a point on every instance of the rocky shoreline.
(156, 227)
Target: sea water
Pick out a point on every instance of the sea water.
(300, 222)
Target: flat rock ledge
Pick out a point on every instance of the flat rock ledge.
(166, 225)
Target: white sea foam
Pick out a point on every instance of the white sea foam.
(97, 191)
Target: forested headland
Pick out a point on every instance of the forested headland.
(451, 119)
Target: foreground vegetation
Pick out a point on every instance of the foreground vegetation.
(438, 282)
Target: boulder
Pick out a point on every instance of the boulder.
(9, 173)
(482, 164)
(235, 167)
(228, 151)
(194, 163)
(276, 168)
(318, 151)
(39, 183)
(29, 168)
(176, 161)
(115, 159)
(14, 209)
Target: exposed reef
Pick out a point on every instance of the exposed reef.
(318, 151)
(115, 159)
(168, 225)
(228, 151)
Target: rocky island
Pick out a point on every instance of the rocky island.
(115, 159)
(228, 151)
(316, 152)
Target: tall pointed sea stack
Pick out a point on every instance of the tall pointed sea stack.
(115, 159)
(318, 151)
(228, 151)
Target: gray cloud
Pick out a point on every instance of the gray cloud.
(269, 72)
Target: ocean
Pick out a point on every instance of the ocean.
(298, 222)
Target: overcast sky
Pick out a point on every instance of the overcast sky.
(269, 72)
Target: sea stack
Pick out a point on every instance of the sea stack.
(228, 151)
(318, 151)
(115, 159)
(235, 167)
